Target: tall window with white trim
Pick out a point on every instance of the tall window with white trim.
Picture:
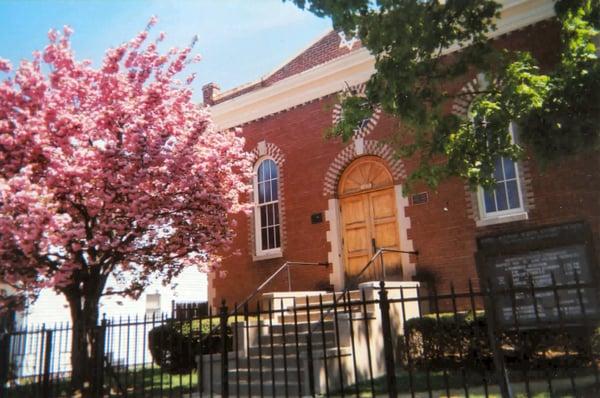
(266, 214)
(506, 196)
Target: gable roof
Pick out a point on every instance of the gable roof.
(326, 47)
(327, 66)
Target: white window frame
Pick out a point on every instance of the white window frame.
(496, 217)
(277, 251)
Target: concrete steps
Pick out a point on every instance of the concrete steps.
(275, 351)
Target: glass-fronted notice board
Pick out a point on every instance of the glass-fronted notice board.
(543, 276)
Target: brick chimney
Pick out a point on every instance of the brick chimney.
(209, 92)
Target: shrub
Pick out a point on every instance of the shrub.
(445, 341)
(461, 340)
(596, 343)
(175, 344)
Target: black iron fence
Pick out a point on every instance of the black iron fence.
(382, 340)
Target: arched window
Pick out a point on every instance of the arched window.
(266, 212)
(511, 196)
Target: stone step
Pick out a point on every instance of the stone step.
(290, 360)
(289, 350)
(327, 308)
(265, 354)
(315, 316)
(328, 298)
(290, 338)
(302, 327)
(254, 374)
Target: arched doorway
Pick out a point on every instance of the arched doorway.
(368, 219)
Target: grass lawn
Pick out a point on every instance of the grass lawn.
(149, 381)
(140, 381)
(451, 383)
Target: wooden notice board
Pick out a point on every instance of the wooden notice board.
(563, 252)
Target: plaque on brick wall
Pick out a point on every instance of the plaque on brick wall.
(557, 260)
(420, 198)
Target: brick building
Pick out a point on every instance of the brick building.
(322, 200)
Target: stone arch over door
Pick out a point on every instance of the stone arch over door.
(362, 148)
(338, 173)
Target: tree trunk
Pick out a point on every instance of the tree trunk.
(86, 346)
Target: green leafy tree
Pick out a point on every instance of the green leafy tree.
(557, 111)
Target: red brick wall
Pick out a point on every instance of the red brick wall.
(441, 229)
(298, 134)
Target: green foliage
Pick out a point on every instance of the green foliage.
(447, 341)
(354, 111)
(175, 344)
(557, 112)
(569, 118)
(461, 340)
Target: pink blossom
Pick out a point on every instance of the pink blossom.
(67, 31)
(52, 35)
(152, 21)
(5, 65)
(118, 161)
(190, 78)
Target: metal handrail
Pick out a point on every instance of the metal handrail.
(260, 287)
(379, 253)
(285, 265)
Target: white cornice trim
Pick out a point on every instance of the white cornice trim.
(331, 77)
(353, 68)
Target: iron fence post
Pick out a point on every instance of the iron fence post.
(47, 363)
(388, 348)
(309, 353)
(494, 338)
(4, 360)
(224, 362)
(99, 365)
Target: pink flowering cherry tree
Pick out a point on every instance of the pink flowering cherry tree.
(110, 171)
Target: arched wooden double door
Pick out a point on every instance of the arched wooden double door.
(368, 220)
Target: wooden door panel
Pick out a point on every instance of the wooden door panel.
(356, 233)
(354, 210)
(384, 223)
(354, 265)
(393, 266)
(357, 240)
(383, 204)
(386, 234)
(385, 230)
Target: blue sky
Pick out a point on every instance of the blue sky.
(239, 40)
